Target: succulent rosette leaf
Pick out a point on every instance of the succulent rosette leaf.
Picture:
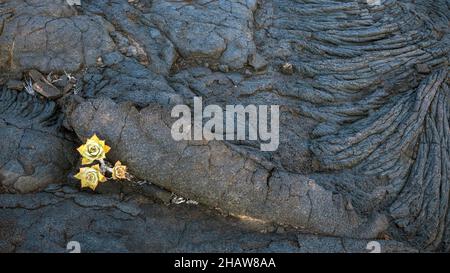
(94, 149)
(119, 171)
(90, 177)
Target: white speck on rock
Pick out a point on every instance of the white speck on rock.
(74, 2)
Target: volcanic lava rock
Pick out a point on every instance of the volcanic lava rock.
(362, 88)
(107, 224)
(33, 151)
(50, 36)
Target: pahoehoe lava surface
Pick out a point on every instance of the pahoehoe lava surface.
(364, 124)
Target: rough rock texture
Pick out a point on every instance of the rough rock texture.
(50, 36)
(214, 29)
(219, 177)
(364, 117)
(34, 151)
(105, 223)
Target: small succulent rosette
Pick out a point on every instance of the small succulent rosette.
(93, 151)
(90, 177)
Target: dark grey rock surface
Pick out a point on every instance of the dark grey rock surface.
(219, 176)
(47, 221)
(364, 122)
(34, 151)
